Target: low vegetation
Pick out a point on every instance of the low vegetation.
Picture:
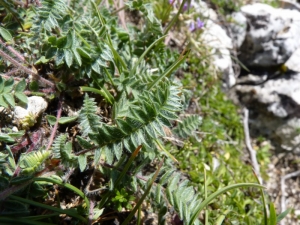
(132, 126)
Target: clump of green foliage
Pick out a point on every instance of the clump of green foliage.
(116, 154)
(226, 6)
(217, 148)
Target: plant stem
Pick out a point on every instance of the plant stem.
(12, 50)
(25, 69)
(59, 111)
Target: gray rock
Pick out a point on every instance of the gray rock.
(238, 28)
(275, 109)
(35, 106)
(202, 9)
(215, 37)
(267, 38)
(272, 35)
(219, 43)
(293, 61)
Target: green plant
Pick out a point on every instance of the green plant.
(128, 100)
(133, 78)
(8, 92)
(225, 7)
(216, 147)
(122, 199)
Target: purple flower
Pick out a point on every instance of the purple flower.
(192, 26)
(185, 7)
(200, 23)
(198, 26)
(171, 2)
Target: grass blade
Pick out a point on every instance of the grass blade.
(263, 200)
(127, 220)
(175, 18)
(216, 194)
(124, 171)
(54, 209)
(272, 218)
(103, 92)
(283, 214)
(145, 53)
(66, 185)
(169, 70)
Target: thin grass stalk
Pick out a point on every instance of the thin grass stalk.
(128, 219)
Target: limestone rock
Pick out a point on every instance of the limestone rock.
(202, 9)
(293, 61)
(215, 37)
(238, 28)
(272, 35)
(275, 109)
(35, 106)
(271, 94)
(220, 44)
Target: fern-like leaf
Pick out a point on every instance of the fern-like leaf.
(32, 162)
(11, 9)
(144, 122)
(178, 192)
(88, 119)
(8, 92)
(51, 12)
(63, 151)
(188, 126)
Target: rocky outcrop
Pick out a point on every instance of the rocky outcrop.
(271, 87)
(267, 43)
(275, 109)
(218, 41)
(272, 35)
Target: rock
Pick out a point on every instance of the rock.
(268, 38)
(202, 9)
(272, 35)
(14, 129)
(215, 37)
(238, 28)
(293, 61)
(35, 106)
(275, 109)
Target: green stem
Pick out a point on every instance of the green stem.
(216, 194)
(175, 18)
(145, 53)
(103, 92)
(263, 200)
(169, 70)
(167, 153)
(127, 220)
(124, 171)
(60, 211)
(21, 221)
(205, 196)
(66, 185)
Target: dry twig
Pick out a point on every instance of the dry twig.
(283, 193)
(58, 115)
(251, 151)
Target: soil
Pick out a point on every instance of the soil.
(287, 196)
